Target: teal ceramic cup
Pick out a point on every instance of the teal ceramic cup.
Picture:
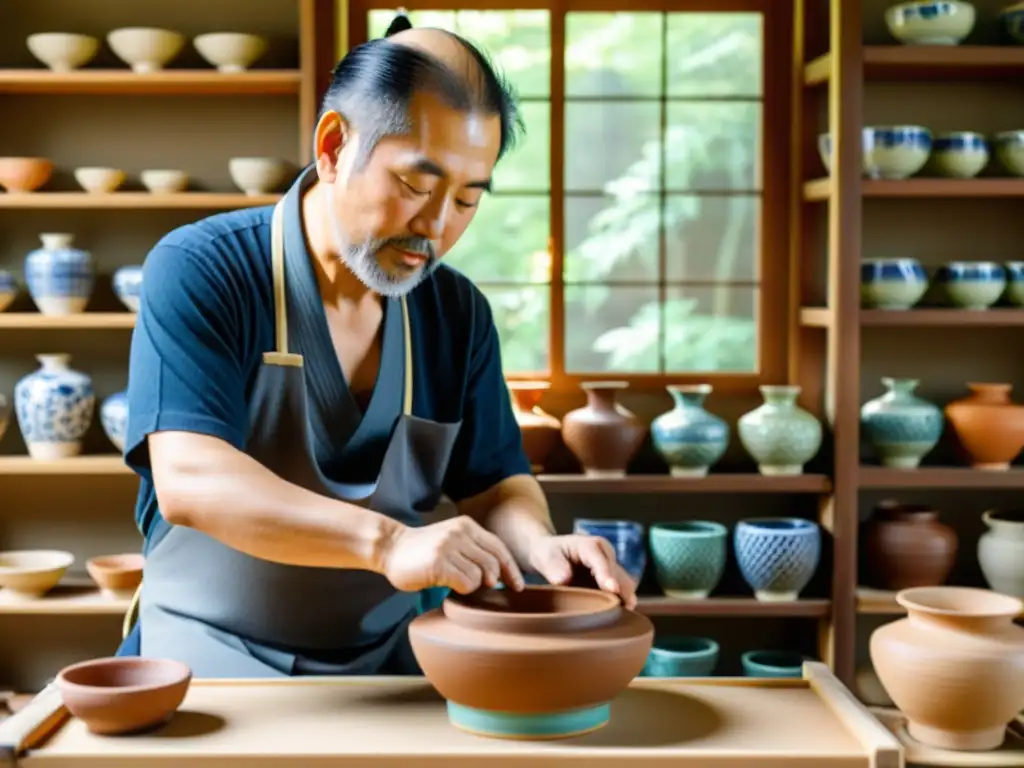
(689, 557)
(773, 664)
(682, 657)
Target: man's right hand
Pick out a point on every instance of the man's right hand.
(458, 553)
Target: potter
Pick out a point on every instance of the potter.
(307, 379)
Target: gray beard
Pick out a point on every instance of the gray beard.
(363, 262)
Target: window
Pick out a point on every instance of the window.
(628, 236)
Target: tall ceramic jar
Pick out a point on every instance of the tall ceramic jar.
(906, 546)
(540, 430)
(900, 427)
(60, 277)
(54, 406)
(603, 435)
(689, 439)
(1001, 552)
(954, 666)
(114, 418)
(780, 435)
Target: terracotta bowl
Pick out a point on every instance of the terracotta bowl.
(991, 435)
(124, 694)
(116, 575)
(33, 573)
(24, 174)
(543, 663)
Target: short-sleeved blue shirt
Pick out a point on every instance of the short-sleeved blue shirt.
(206, 317)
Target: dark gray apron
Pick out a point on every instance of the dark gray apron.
(227, 614)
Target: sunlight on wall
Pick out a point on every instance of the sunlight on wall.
(341, 24)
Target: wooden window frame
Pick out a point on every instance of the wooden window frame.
(773, 300)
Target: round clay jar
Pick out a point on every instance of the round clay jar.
(906, 546)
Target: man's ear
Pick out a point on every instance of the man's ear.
(333, 134)
(400, 24)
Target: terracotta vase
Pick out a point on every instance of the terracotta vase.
(538, 664)
(603, 435)
(906, 546)
(989, 427)
(954, 666)
(541, 431)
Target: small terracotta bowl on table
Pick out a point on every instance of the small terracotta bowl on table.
(117, 576)
(124, 695)
(543, 663)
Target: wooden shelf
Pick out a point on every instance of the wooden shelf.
(79, 465)
(197, 82)
(951, 478)
(85, 321)
(816, 317)
(819, 190)
(143, 200)
(928, 62)
(941, 317)
(720, 483)
(738, 607)
(72, 599)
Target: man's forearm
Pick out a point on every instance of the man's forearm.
(206, 484)
(516, 511)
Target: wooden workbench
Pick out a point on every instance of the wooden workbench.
(387, 722)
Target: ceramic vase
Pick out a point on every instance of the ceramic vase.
(127, 282)
(1001, 552)
(780, 435)
(54, 407)
(900, 427)
(8, 289)
(114, 418)
(777, 556)
(59, 276)
(689, 557)
(954, 666)
(906, 546)
(603, 435)
(540, 430)
(689, 439)
(626, 538)
(989, 428)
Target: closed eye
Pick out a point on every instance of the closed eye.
(413, 189)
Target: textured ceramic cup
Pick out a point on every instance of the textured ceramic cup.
(689, 557)
(682, 657)
(626, 536)
(773, 664)
(777, 555)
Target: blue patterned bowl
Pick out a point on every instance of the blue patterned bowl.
(114, 418)
(959, 154)
(773, 664)
(777, 555)
(892, 283)
(1010, 151)
(1015, 282)
(1013, 22)
(689, 557)
(682, 657)
(931, 22)
(896, 151)
(972, 284)
(625, 536)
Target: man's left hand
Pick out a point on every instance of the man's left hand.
(554, 558)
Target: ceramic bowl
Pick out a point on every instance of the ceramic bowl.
(24, 174)
(99, 180)
(1010, 151)
(161, 181)
(777, 556)
(258, 175)
(117, 576)
(1015, 282)
(8, 289)
(114, 418)
(972, 284)
(1012, 19)
(930, 22)
(145, 49)
(625, 536)
(689, 557)
(127, 283)
(33, 572)
(897, 151)
(537, 664)
(959, 154)
(124, 694)
(892, 283)
(773, 664)
(62, 51)
(682, 657)
(230, 51)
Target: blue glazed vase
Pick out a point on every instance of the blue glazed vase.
(127, 282)
(689, 439)
(900, 427)
(625, 536)
(54, 406)
(777, 556)
(60, 277)
(114, 418)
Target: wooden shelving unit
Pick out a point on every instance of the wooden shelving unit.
(117, 82)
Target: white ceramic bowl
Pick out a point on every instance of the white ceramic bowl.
(1010, 151)
(62, 51)
(145, 49)
(164, 181)
(887, 152)
(258, 175)
(33, 573)
(230, 51)
(959, 154)
(99, 180)
(927, 22)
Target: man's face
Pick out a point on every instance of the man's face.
(412, 200)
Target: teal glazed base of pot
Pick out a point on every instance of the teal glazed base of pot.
(512, 725)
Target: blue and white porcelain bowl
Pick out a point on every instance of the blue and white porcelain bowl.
(972, 284)
(1015, 282)
(114, 418)
(892, 283)
(627, 539)
(1010, 151)
(896, 151)
(8, 289)
(1012, 18)
(60, 277)
(54, 406)
(127, 283)
(777, 556)
(825, 150)
(959, 154)
(946, 22)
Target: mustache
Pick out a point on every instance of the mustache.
(419, 245)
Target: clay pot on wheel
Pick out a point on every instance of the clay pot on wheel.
(538, 664)
(540, 430)
(603, 435)
(954, 666)
(989, 427)
(906, 546)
